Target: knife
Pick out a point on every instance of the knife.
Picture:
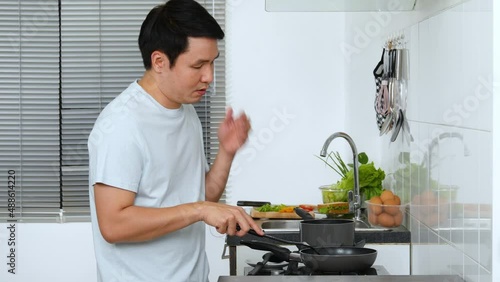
(251, 203)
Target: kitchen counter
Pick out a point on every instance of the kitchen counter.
(399, 235)
(379, 278)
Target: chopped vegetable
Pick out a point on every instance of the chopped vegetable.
(307, 208)
(336, 208)
(276, 208)
(271, 208)
(287, 209)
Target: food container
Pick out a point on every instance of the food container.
(386, 216)
(330, 194)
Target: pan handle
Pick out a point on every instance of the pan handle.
(302, 213)
(280, 252)
(300, 245)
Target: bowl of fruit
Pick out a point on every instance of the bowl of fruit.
(386, 210)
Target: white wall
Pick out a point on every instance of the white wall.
(496, 140)
(284, 63)
(48, 252)
(450, 91)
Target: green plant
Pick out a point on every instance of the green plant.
(370, 178)
(339, 166)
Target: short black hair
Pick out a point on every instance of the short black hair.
(168, 26)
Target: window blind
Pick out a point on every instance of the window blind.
(29, 109)
(54, 94)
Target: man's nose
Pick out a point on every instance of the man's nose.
(208, 75)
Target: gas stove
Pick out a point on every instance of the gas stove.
(298, 269)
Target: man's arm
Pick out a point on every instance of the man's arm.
(121, 221)
(232, 134)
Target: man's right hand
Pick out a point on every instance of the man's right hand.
(226, 218)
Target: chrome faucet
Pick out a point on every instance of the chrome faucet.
(435, 142)
(354, 196)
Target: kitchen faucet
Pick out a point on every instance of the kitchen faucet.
(354, 198)
(435, 142)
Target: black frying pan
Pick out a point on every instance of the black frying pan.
(329, 259)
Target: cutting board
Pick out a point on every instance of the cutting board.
(283, 215)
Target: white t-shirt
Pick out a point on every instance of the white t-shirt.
(138, 145)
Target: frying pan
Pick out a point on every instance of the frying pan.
(329, 259)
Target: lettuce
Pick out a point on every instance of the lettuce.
(370, 180)
(271, 208)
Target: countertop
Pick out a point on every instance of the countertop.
(378, 278)
(399, 235)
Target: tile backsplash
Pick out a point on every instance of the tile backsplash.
(445, 174)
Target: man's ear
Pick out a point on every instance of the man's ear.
(159, 61)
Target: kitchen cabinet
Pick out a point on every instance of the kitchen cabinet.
(394, 257)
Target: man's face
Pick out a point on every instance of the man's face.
(188, 80)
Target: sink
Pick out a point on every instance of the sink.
(280, 225)
(283, 225)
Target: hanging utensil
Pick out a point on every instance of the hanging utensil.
(397, 126)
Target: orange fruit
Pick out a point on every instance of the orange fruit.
(385, 219)
(398, 218)
(397, 199)
(375, 208)
(391, 207)
(386, 195)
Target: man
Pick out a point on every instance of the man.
(150, 186)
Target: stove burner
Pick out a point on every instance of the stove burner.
(296, 268)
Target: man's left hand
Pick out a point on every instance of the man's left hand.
(233, 132)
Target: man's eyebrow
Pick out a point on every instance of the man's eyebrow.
(201, 61)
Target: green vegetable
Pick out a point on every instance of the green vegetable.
(334, 195)
(329, 208)
(362, 158)
(339, 165)
(271, 208)
(370, 180)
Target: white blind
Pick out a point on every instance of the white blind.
(29, 109)
(48, 109)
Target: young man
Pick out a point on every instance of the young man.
(151, 189)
